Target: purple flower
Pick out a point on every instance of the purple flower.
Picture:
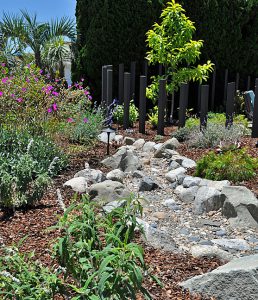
(12, 95)
(55, 93)
(70, 120)
(3, 64)
(28, 65)
(54, 107)
(85, 120)
(19, 100)
(4, 80)
(24, 89)
(36, 79)
(90, 97)
(82, 79)
(86, 92)
(40, 72)
(49, 110)
(27, 80)
(1, 94)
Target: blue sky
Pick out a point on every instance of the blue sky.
(45, 9)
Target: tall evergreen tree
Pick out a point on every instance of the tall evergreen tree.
(111, 32)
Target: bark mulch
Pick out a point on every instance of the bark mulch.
(34, 223)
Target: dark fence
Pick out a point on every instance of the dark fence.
(203, 98)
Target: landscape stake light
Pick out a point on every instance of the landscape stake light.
(108, 131)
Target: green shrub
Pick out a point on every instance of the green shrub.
(27, 164)
(98, 251)
(23, 278)
(85, 127)
(212, 136)
(118, 114)
(216, 118)
(234, 165)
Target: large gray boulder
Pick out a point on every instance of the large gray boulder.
(138, 144)
(148, 147)
(108, 191)
(171, 144)
(114, 161)
(173, 174)
(92, 175)
(187, 195)
(207, 199)
(116, 175)
(236, 280)
(218, 185)
(130, 162)
(241, 206)
(78, 184)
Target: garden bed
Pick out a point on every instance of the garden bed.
(34, 223)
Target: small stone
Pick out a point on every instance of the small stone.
(138, 174)
(210, 223)
(129, 140)
(206, 243)
(116, 175)
(78, 184)
(190, 181)
(173, 185)
(147, 184)
(235, 244)
(209, 251)
(172, 175)
(160, 215)
(180, 178)
(194, 238)
(139, 144)
(188, 163)
(221, 232)
(173, 165)
(184, 231)
(187, 195)
(148, 147)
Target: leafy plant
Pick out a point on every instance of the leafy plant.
(85, 127)
(182, 134)
(216, 118)
(27, 164)
(22, 278)
(118, 113)
(171, 45)
(98, 251)
(234, 165)
(154, 117)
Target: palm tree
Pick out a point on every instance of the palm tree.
(27, 31)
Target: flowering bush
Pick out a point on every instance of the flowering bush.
(26, 166)
(30, 98)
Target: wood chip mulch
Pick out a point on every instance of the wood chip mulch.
(34, 223)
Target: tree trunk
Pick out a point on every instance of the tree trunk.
(38, 59)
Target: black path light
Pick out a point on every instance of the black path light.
(108, 131)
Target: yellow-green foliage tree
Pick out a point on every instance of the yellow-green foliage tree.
(171, 45)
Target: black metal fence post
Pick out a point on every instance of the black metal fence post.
(104, 85)
(133, 74)
(237, 81)
(213, 88)
(183, 102)
(161, 106)
(145, 68)
(248, 83)
(121, 83)
(127, 91)
(225, 86)
(109, 86)
(231, 91)
(142, 104)
(255, 114)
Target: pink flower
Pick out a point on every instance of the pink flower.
(12, 95)
(36, 79)
(90, 97)
(86, 92)
(24, 89)
(19, 100)
(49, 110)
(82, 79)
(55, 93)
(70, 120)
(85, 120)
(3, 64)
(4, 80)
(27, 80)
(54, 107)
(28, 66)
(1, 94)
